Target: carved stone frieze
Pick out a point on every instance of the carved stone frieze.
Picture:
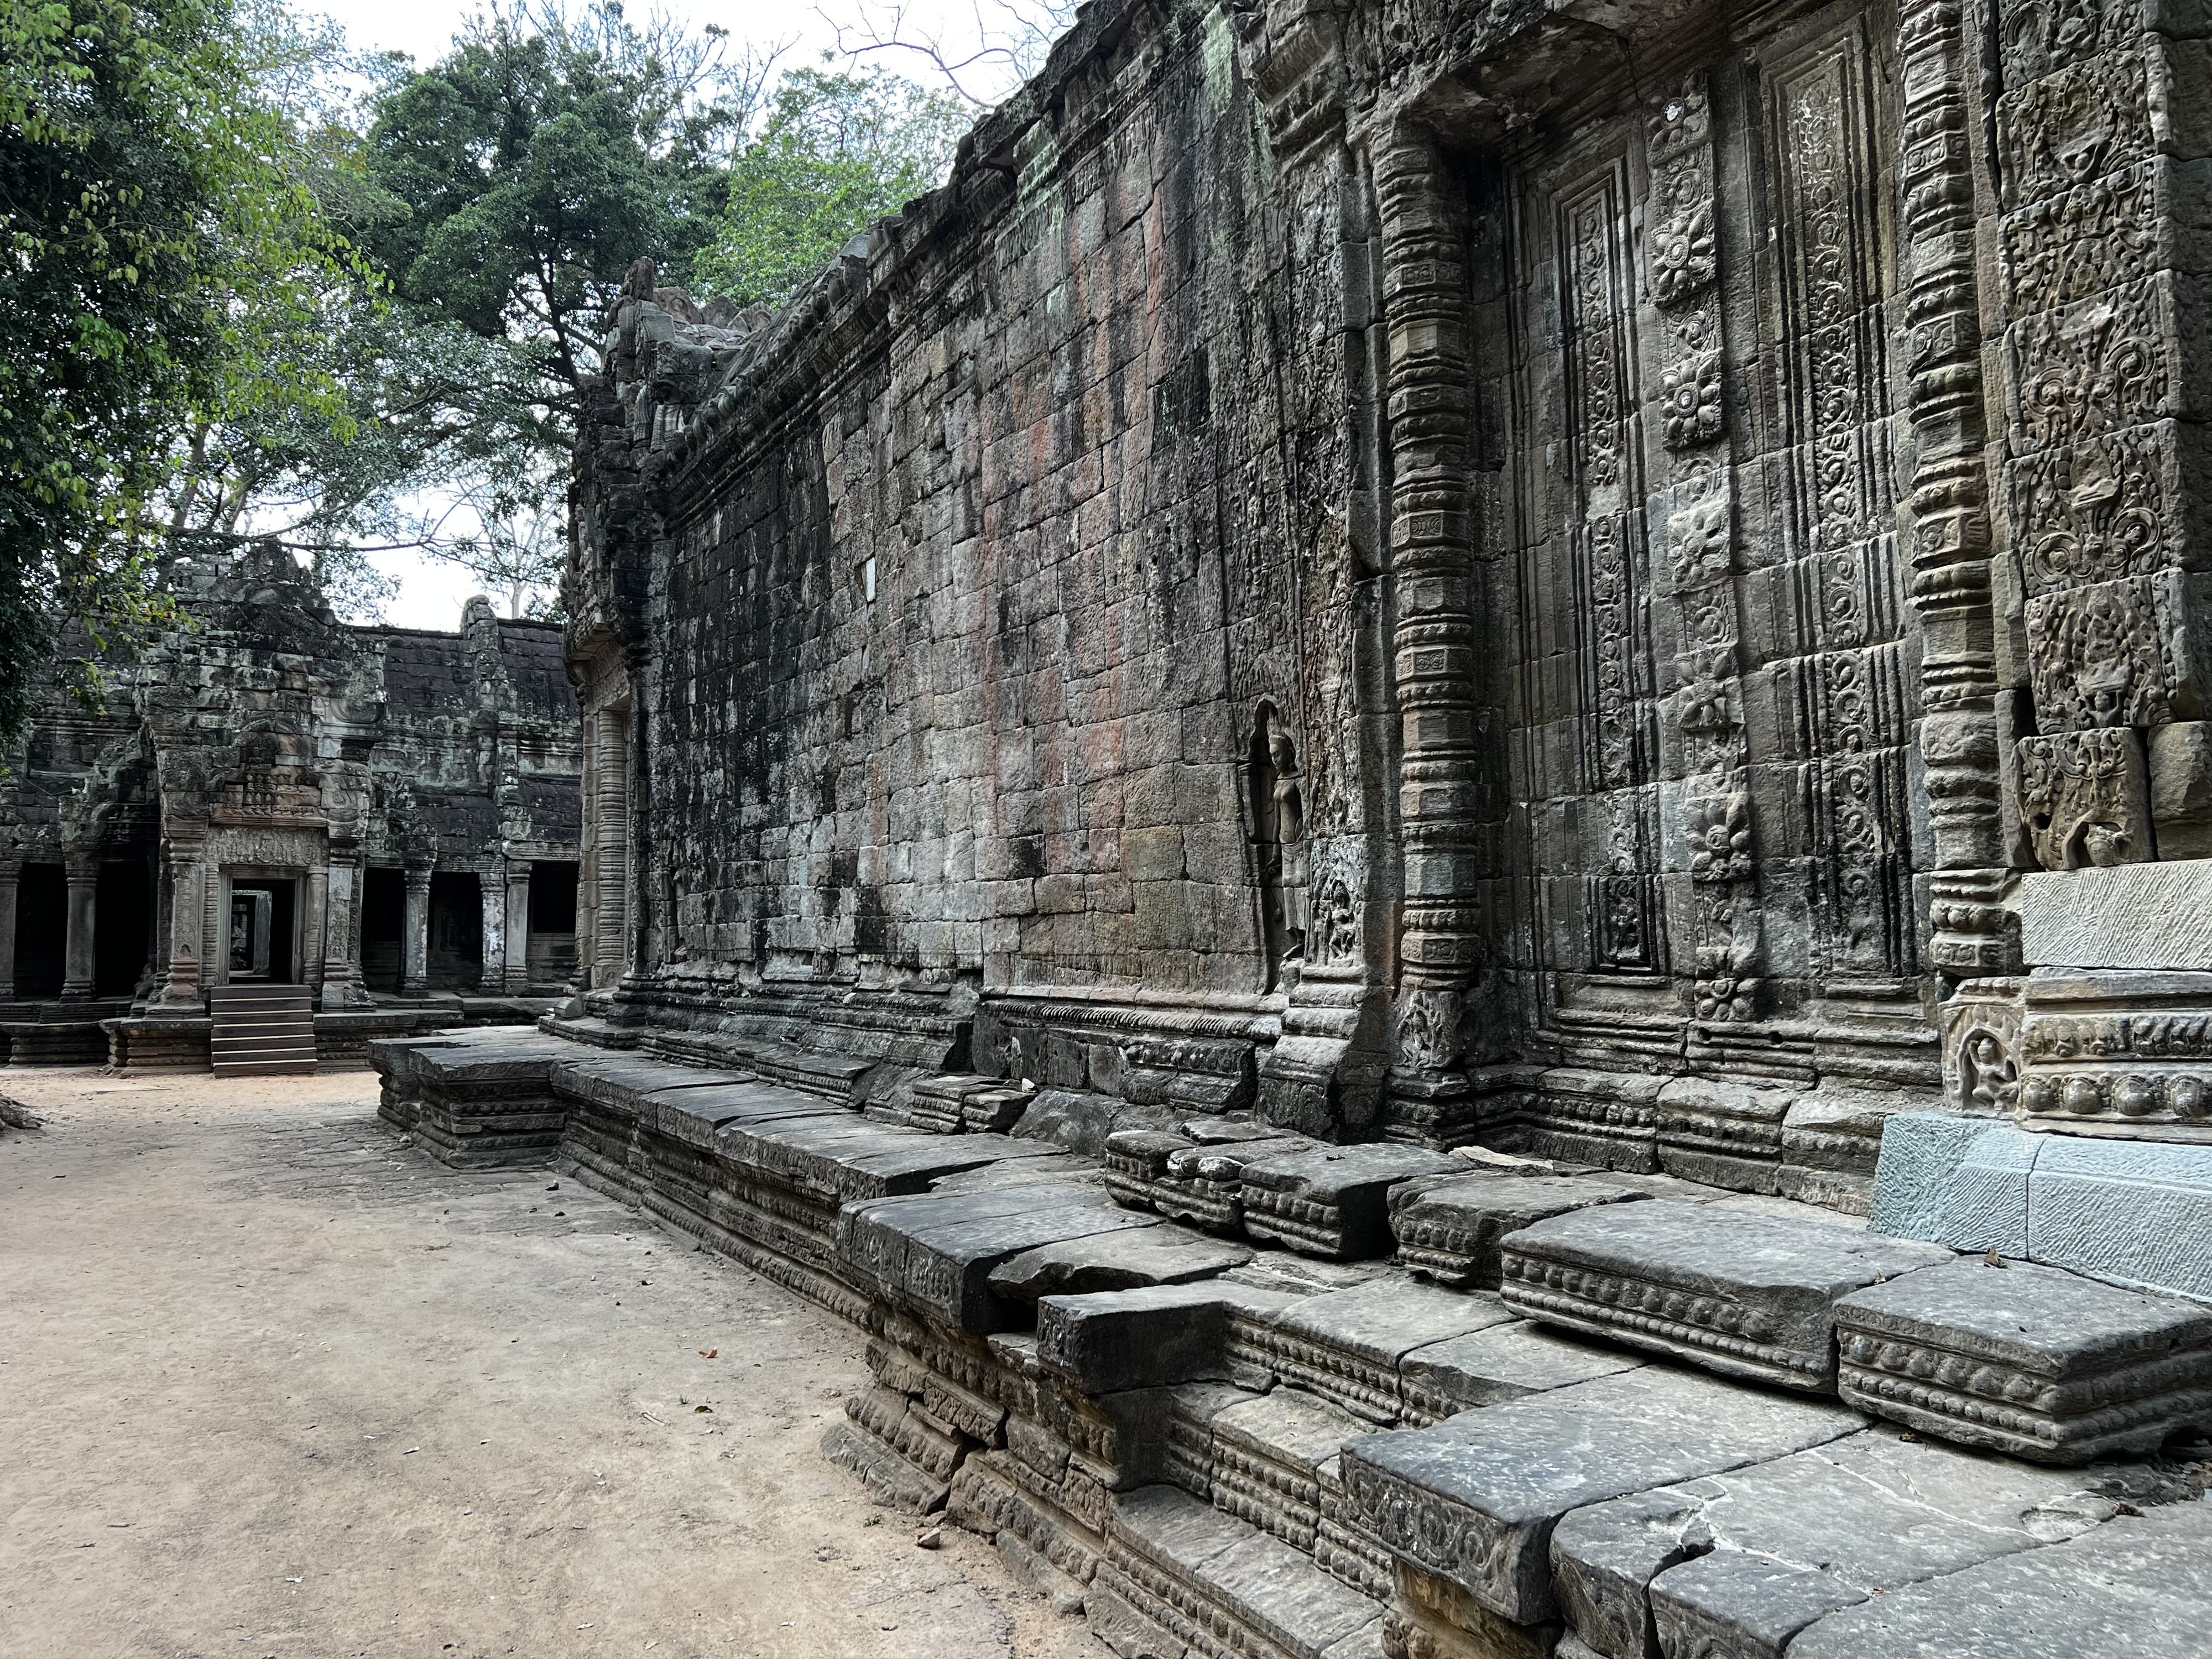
(2080, 123)
(2094, 366)
(2095, 511)
(2102, 656)
(2085, 798)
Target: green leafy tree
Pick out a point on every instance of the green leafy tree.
(837, 152)
(161, 228)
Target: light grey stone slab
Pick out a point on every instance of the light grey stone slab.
(1505, 1362)
(1448, 1226)
(2139, 1586)
(1870, 1512)
(2139, 1213)
(1743, 1294)
(2128, 915)
(1473, 1499)
(2028, 1359)
(1921, 1152)
(1985, 1207)
(1747, 1607)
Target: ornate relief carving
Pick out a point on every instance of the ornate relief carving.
(2092, 511)
(2067, 247)
(2085, 121)
(1690, 395)
(1612, 649)
(2098, 658)
(2085, 799)
(1428, 1029)
(2038, 36)
(1697, 536)
(1720, 837)
(2092, 367)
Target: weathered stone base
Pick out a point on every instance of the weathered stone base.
(1214, 1447)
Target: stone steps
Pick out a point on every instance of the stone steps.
(1217, 1445)
(261, 1030)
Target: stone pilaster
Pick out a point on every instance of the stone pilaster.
(517, 924)
(79, 959)
(9, 877)
(181, 988)
(491, 968)
(415, 939)
(342, 983)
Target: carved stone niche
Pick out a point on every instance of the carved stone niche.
(2120, 1054)
(2085, 798)
(1981, 1022)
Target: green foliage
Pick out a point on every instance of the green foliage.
(547, 152)
(838, 151)
(158, 235)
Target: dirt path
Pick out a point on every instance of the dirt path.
(272, 1384)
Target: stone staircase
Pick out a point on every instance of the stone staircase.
(260, 1030)
(1237, 1393)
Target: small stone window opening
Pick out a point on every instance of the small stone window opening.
(1279, 823)
(866, 572)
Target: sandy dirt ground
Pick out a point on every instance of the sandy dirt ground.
(274, 1383)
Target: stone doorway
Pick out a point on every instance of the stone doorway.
(383, 930)
(456, 931)
(41, 931)
(261, 929)
(122, 928)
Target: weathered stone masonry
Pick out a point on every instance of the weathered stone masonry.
(1514, 572)
(384, 820)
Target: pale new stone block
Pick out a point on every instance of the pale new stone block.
(2134, 916)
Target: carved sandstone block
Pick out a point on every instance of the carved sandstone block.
(1448, 1227)
(2085, 798)
(1740, 1293)
(2028, 1359)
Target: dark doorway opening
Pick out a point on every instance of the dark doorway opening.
(552, 922)
(41, 930)
(456, 932)
(383, 923)
(121, 941)
(262, 913)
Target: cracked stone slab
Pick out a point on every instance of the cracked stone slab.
(1332, 1201)
(1504, 1362)
(2028, 1359)
(2141, 1586)
(1744, 1606)
(1737, 1292)
(1871, 1512)
(1130, 1259)
(1474, 1498)
(936, 1253)
(1448, 1226)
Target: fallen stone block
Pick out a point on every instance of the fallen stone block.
(1183, 1574)
(2141, 1585)
(1268, 1455)
(1492, 1366)
(2028, 1359)
(1346, 1346)
(935, 1255)
(1448, 1226)
(1742, 1294)
(1130, 1259)
(1332, 1201)
(1116, 1339)
(1474, 1498)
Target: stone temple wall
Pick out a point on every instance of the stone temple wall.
(1557, 574)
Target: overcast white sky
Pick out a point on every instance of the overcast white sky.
(431, 594)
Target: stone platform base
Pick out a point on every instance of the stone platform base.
(1246, 1446)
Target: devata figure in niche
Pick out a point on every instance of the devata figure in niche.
(1278, 839)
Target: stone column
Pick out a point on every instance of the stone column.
(415, 939)
(8, 875)
(610, 792)
(187, 908)
(491, 976)
(342, 986)
(314, 927)
(517, 924)
(1441, 800)
(83, 911)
